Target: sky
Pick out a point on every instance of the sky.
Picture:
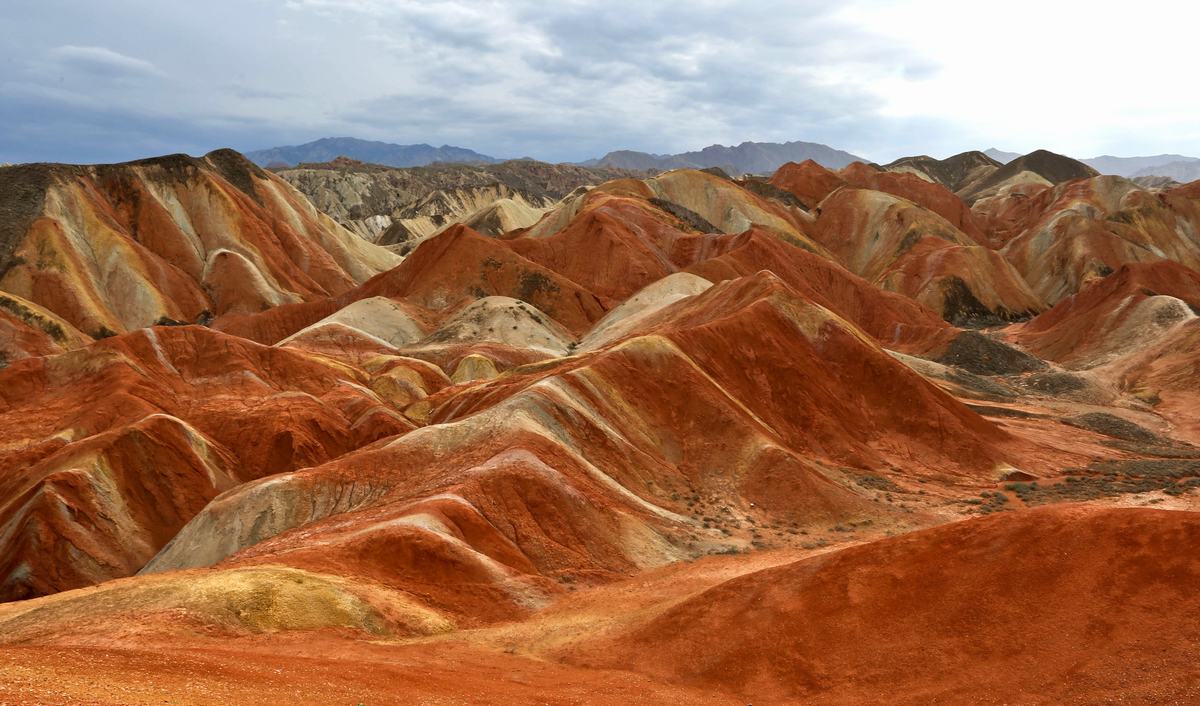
(87, 81)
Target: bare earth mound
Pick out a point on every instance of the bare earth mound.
(1063, 605)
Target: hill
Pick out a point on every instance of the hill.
(1184, 171)
(746, 158)
(998, 623)
(111, 248)
(1040, 165)
(386, 153)
(955, 173)
(399, 206)
(1141, 166)
(590, 435)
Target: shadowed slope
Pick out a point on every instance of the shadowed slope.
(1039, 166)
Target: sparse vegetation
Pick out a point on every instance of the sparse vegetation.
(31, 317)
(991, 501)
(532, 283)
(1112, 478)
(877, 483)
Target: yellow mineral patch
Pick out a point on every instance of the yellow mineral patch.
(255, 600)
(473, 368)
(399, 387)
(719, 201)
(57, 328)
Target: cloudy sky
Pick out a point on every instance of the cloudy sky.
(87, 81)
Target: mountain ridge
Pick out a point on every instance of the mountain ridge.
(745, 158)
(1150, 165)
(386, 153)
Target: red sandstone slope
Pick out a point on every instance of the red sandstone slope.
(640, 240)
(615, 246)
(460, 265)
(444, 274)
(1126, 310)
(1059, 605)
(110, 449)
(928, 194)
(736, 408)
(27, 329)
(116, 247)
(1083, 230)
(619, 241)
(1165, 372)
(894, 321)
(1009, 213)
(657, 371)
(831, 413)
(808, 181)
(639, 243)
(905, 248)
(812, 183)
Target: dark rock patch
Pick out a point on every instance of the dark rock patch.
(1056, 383)
(22, 195)
(962, 308)
(1111, 425)
(689, 217)
(767, 190)
(976, 353)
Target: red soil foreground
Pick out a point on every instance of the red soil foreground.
(1064, 605)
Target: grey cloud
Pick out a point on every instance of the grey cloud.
(562, 81)
(655, 76)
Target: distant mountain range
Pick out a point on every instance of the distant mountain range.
(1183, 171)
(385, 153)
(746, 158)
(1176, 166)
(1144, 166)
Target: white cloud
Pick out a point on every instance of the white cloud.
(100, 60)
(1076, 76)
